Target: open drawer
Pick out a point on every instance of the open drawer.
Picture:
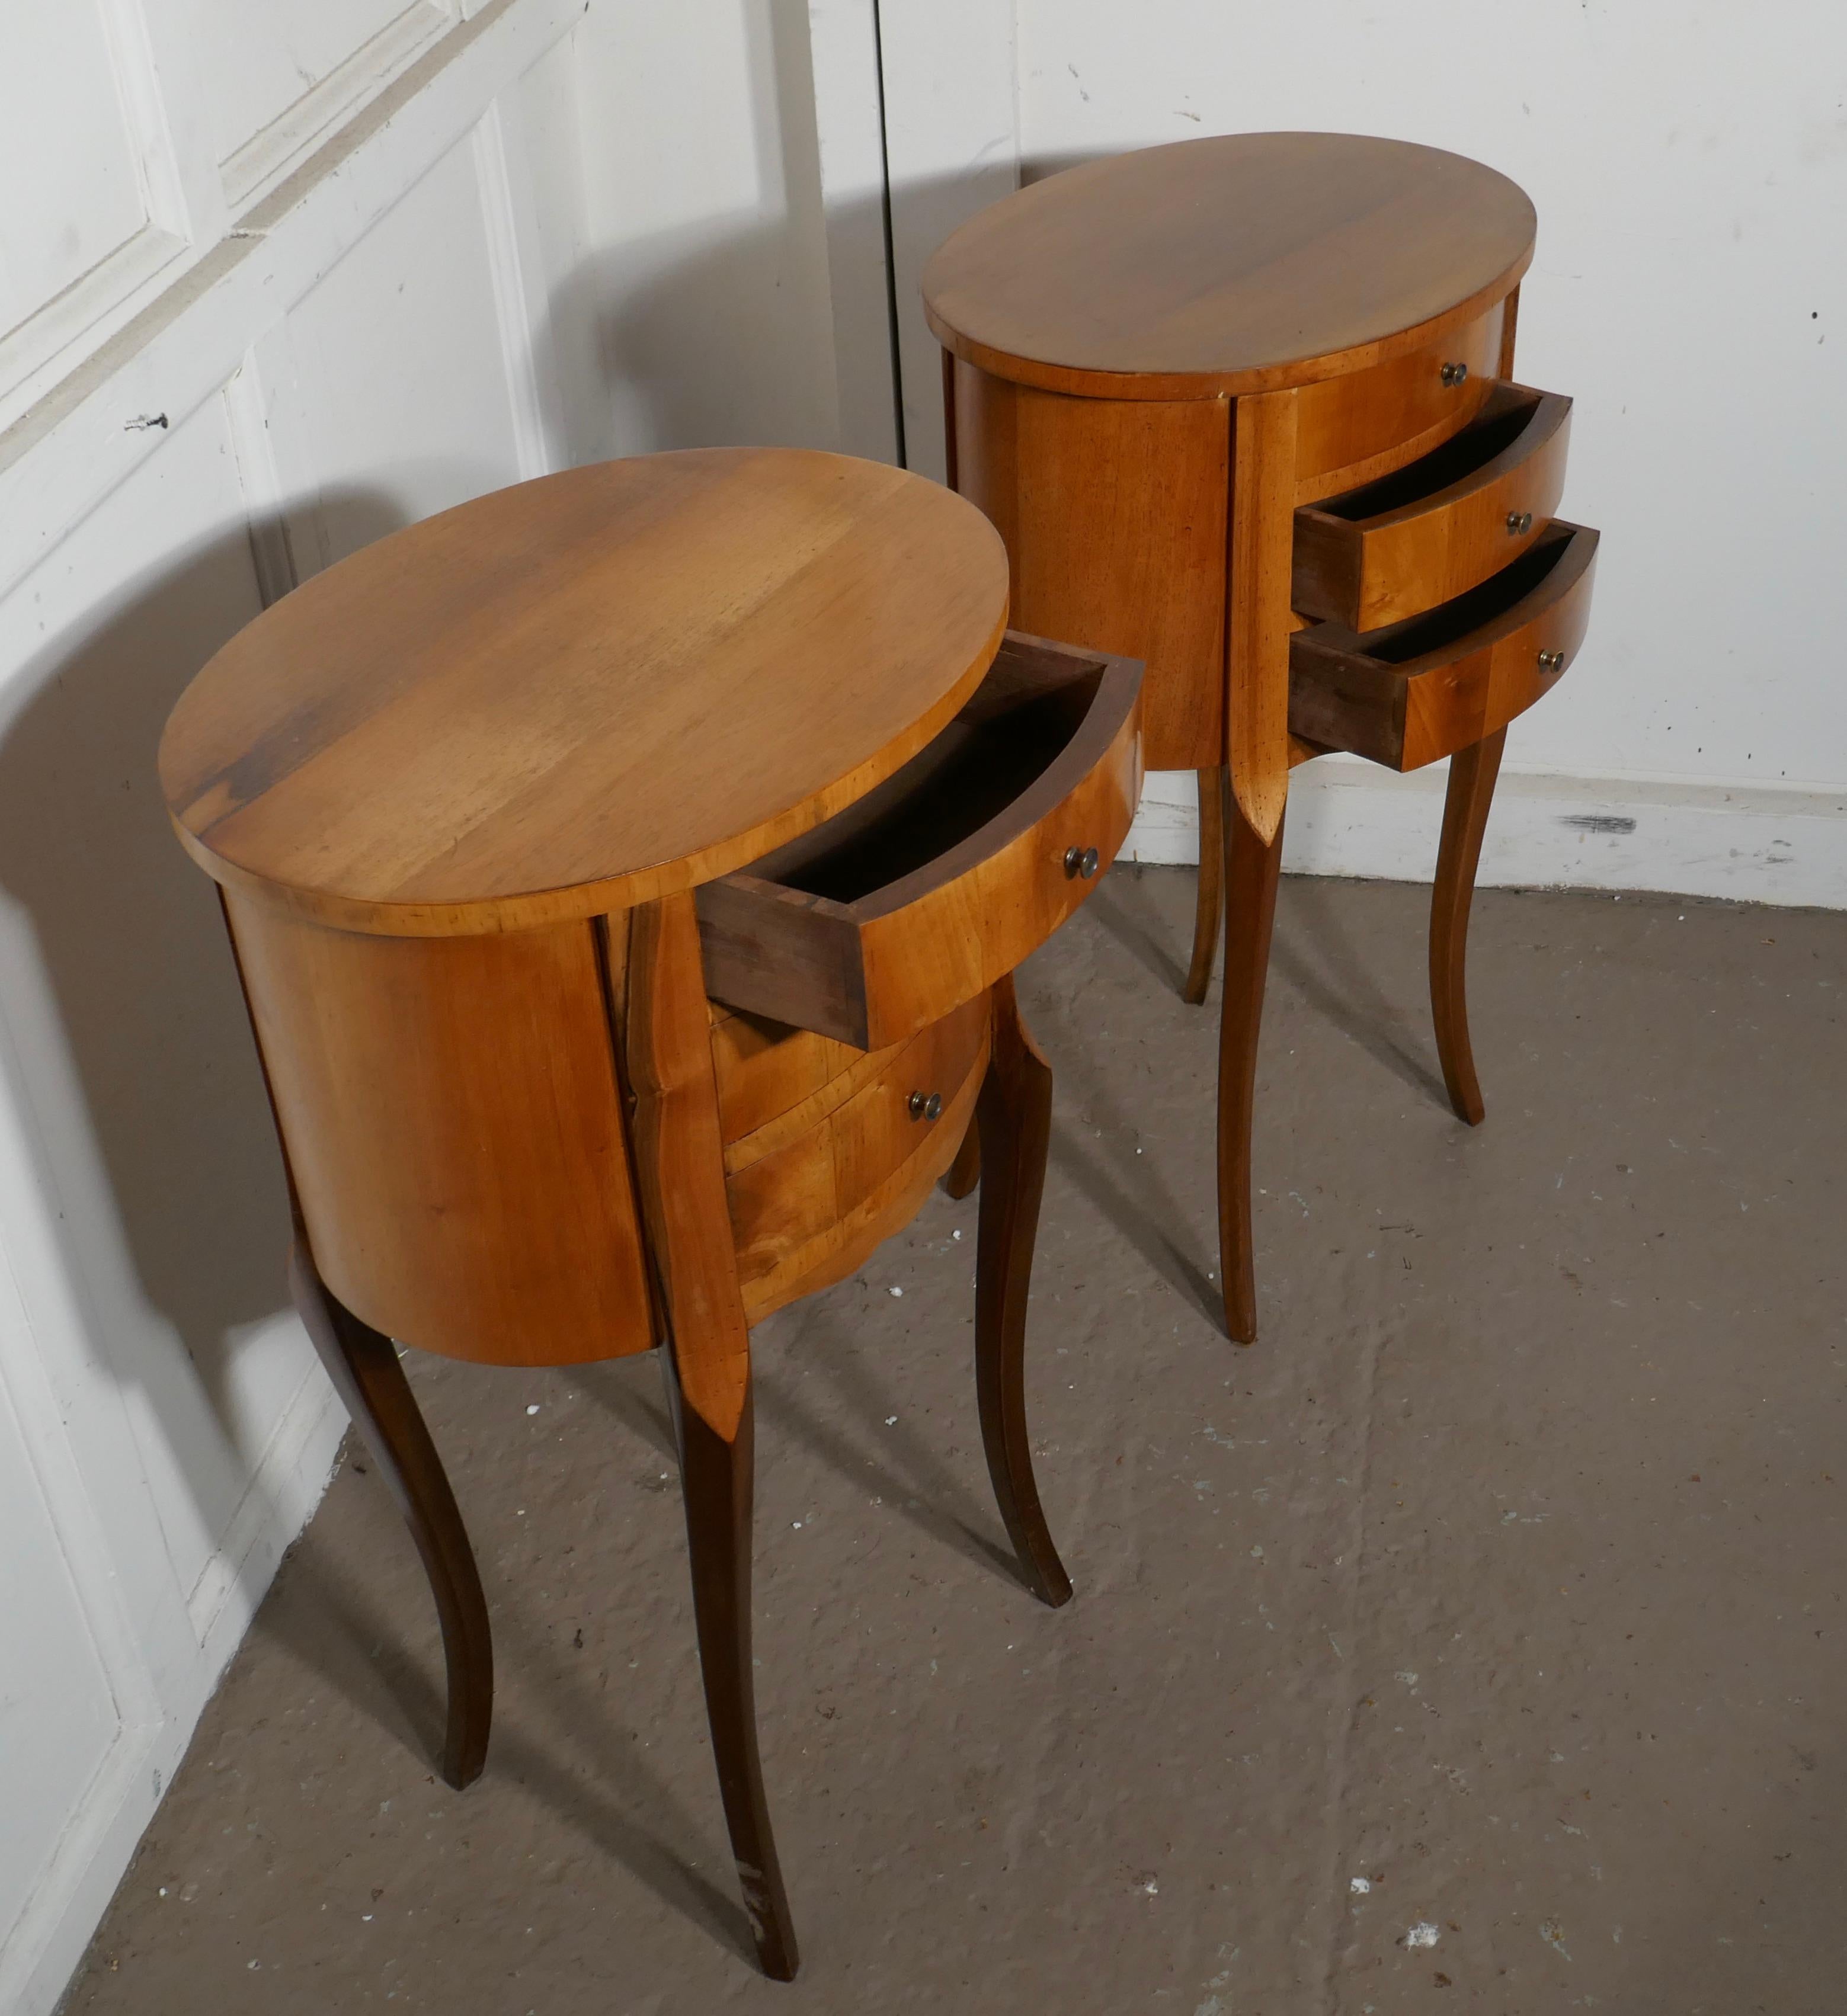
(1434, 528)
(1413, 691)
(922, 895)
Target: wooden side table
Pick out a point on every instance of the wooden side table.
(626, 872)
(1242, 408)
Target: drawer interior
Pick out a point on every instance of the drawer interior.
(1506, 414)
(916, 898)
(1450, 622)
(1022, 717)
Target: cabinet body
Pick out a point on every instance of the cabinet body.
(1242, 408)
(1117, 511)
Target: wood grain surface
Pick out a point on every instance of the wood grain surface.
(679, 1161)
(764, 1068)
(453, 1129)
(931, 888)
(1438, 526)
(1113, 513)
(585, 691)
(1425, 688)
(1351, 430)
(813, 1205)
(1258, 623)
(1242, 263)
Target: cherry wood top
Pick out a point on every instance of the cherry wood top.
(1245, 263)
(585, 692)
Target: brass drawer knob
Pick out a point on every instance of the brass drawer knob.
(1518, 522)
(1081, 860)
(1552, 661)
(1455, 374)
(926, 1105)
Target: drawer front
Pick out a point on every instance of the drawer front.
(765, 1070)
(901, 910)
(1437, 527)
(1350, 429)
(1415, 691)
(808, 1203)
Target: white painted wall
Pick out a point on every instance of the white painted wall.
(273, 281)
(1689, 163)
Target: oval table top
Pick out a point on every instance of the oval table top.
(1249, 262)
(586, 691)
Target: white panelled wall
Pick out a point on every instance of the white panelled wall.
(276, 280)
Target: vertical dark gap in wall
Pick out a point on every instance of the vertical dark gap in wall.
(878, 46)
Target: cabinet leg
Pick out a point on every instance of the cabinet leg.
(1209, 902)
(716, 1478)
(1472, 775)
(1014, 1115)
(965, 1172)
(1251, 869)
(364, 1368)
(679, 1164)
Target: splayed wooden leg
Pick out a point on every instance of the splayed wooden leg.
(679, 1164)
(716, 1476)
(1251, 870)
(1209, 901)
(364, 1368)
(1014, 1115)
(1472, 775)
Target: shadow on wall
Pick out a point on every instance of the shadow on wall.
(699, 338)
(129, 1043)
(720, 330)
(687, 340)
(725, 332)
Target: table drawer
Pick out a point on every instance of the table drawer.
(925, 892)
(1350, 429)
(813, 1191)
(1440, 525)
(1413, 691)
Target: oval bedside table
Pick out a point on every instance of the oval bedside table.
(1243, 408)
(626, 872)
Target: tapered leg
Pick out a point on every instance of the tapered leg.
(364, 1367)
(965, 1172)
(716, 1477)
(1210, 899)
(680, 1164)
(1472, 774)
(1014, 1115)
(1250, 867)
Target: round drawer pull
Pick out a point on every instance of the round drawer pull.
(1455, 374)
(926, 1105)
(1518, 522)
(1552, 661)
(1081, 860)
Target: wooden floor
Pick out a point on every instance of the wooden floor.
(1480, 1629)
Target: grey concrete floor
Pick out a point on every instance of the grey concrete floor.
(1475, 1638)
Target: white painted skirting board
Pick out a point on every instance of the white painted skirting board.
(1757, 843)
(277, 1502)
(122, 1798)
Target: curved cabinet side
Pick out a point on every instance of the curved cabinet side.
(1113, 513)
(453, 1122)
